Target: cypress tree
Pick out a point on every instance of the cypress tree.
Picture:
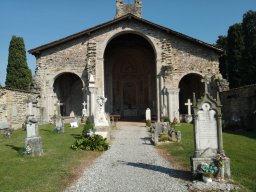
(222, 43)
(235, 49)
(18, 75)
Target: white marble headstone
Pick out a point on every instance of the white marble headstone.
(148, 114)
(31, 130)
(207, 128)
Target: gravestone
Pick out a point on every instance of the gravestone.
(188, 117)
(100, 118)
(58, 121)
(84, 111)
(208, 132)
(164, 111)
(148, 114)
(33, 141)
(156, 130)
(74, 123)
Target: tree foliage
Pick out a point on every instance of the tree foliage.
(18, 76)
(238, 64)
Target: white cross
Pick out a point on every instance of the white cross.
(189, 106)
(84, 104)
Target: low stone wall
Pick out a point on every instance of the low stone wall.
(13, 106)
(239, 107)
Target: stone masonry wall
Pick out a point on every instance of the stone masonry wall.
(13, 106)
(77, 55)
(239, 107)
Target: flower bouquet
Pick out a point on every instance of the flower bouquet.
(207, 172)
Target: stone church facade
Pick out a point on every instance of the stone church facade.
(123, 67)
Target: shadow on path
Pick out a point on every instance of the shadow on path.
(180, 174)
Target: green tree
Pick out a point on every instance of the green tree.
(222, 43)
(18, 75)
(249, 31)
(235, 49)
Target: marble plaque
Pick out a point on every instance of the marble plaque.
(31, 130)
(207, 128)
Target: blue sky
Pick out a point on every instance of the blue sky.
(42, 21)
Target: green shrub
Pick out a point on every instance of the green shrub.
(88, 126)
(91, 143)
(166, 119)
(148, 123)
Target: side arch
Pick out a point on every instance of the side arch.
(68, 88)
(189, 84)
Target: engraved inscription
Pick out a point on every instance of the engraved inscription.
(207, 128)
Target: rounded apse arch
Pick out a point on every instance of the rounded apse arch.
(130, 76)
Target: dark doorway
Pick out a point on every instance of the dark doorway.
(68, 88)
(130, 77)
(188, 84)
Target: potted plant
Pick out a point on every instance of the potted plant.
(207, 172)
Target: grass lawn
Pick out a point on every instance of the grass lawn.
(240, 148)
(53, 171)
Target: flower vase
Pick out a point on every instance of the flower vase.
(206, 179)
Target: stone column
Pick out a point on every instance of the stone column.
(196, 139)
(219, 132)
(158, 95)
(173, 102)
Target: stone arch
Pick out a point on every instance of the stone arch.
(68, 88)
(189, 84)
(130, 75)
(108, 40)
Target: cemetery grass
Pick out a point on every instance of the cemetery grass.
(54, 171)
(240, 148)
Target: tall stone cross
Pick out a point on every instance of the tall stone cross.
(84, 104)
(84, 111)
(58, 104)
(206, 81)
(189, 104)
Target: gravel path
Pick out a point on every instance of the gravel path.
(131, 164)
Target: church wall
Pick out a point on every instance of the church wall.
(239, 108)
(13, 106)
(74, 56)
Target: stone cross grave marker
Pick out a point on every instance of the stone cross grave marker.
(148, 114)
(33, 141)
(188, 117)
(58, 123)
(189, 104)
(84, 111)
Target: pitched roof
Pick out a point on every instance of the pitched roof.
(129, 16)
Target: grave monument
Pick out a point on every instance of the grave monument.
(58, 121)
(188, 117)
(33, 141)
(208, 132)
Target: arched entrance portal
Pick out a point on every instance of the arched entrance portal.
(68, 89)
(130, 77)
(188, 84)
